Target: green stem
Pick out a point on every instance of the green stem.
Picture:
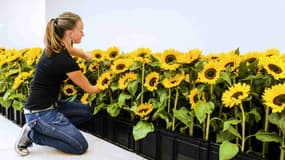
(236, 127)
(142, 82)
(282, 148)
(243, 128)
(175, 105)
(169, 97)
(209, 115)
(265, 144)
(191, 127)
(208, 126)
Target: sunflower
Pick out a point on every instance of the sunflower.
(144, 109)
(21, 78)
(69, 90)
(173, 81)
(92, 67)
(274, 98)
(235, 95)
(191, 56)
(84, 98)
(274, 66)
(231, 61)
(151, 81)
(194, 97)
(213, 56)
(32, 55)
(98, 55)
(142, 55)
(272, 52)
(251, 57)
(112, 53)
(104, 80)
(12, 55)
(210, 73)
(121, 65)
(128, 77)
(169, 59)
(82, 67)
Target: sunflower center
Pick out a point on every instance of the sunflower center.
(152, 82)
(170, 58)
(143, 54)
(98, 56)
(144, 110)
(251, 60)
(69, 90)
(237, 94)
(105, 81)
(210, 73)
(275, 68)
(120, 66)
(279, 100)
(230, 64)
(113, 54)
(195, 98)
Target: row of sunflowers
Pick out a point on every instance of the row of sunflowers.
(232, 97)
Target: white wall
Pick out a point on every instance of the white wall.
(22, 23)
(213, 26)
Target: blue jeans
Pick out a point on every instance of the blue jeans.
(56, 128)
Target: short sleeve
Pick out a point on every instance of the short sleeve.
(67, 63)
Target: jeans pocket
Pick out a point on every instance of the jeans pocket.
(60, 120)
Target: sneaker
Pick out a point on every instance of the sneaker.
(23, 141)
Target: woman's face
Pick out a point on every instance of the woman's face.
(77, 32)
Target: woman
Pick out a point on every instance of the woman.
(51, 121)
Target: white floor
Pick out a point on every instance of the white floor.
(98, 148)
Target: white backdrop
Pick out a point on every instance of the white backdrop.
(212, 26)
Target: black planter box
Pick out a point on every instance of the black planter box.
(148, 147)
(214, 154)
(120, 133)
(19, 118)
(175, 146)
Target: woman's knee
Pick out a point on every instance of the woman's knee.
(82, 148)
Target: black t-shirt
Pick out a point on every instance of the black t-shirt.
(49, 75)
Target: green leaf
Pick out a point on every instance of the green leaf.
(234, 131)
(123, 97)
(202, 109)
(5, 103)
(223, 136)
(256, 114)
(229, 123)
(183, 114)
(113, 109)
(268, 136)
(226, 77)
(133, 87)
(17, 105)
(98, 108)
(141, 129)
(228, 150)
(278, 119)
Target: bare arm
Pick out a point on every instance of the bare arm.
(79, 79)
(80, 53)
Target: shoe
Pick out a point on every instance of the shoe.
(23, 141)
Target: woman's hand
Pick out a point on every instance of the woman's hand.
(88, 57)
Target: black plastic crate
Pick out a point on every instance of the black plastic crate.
(175, 146)
(148, 147)
(214, 154)
(119, 132)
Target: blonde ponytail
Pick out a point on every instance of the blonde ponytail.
(55, 31)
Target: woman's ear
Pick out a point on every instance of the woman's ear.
(68, 33)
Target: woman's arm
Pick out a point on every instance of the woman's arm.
(79, 79)
(80, 53)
